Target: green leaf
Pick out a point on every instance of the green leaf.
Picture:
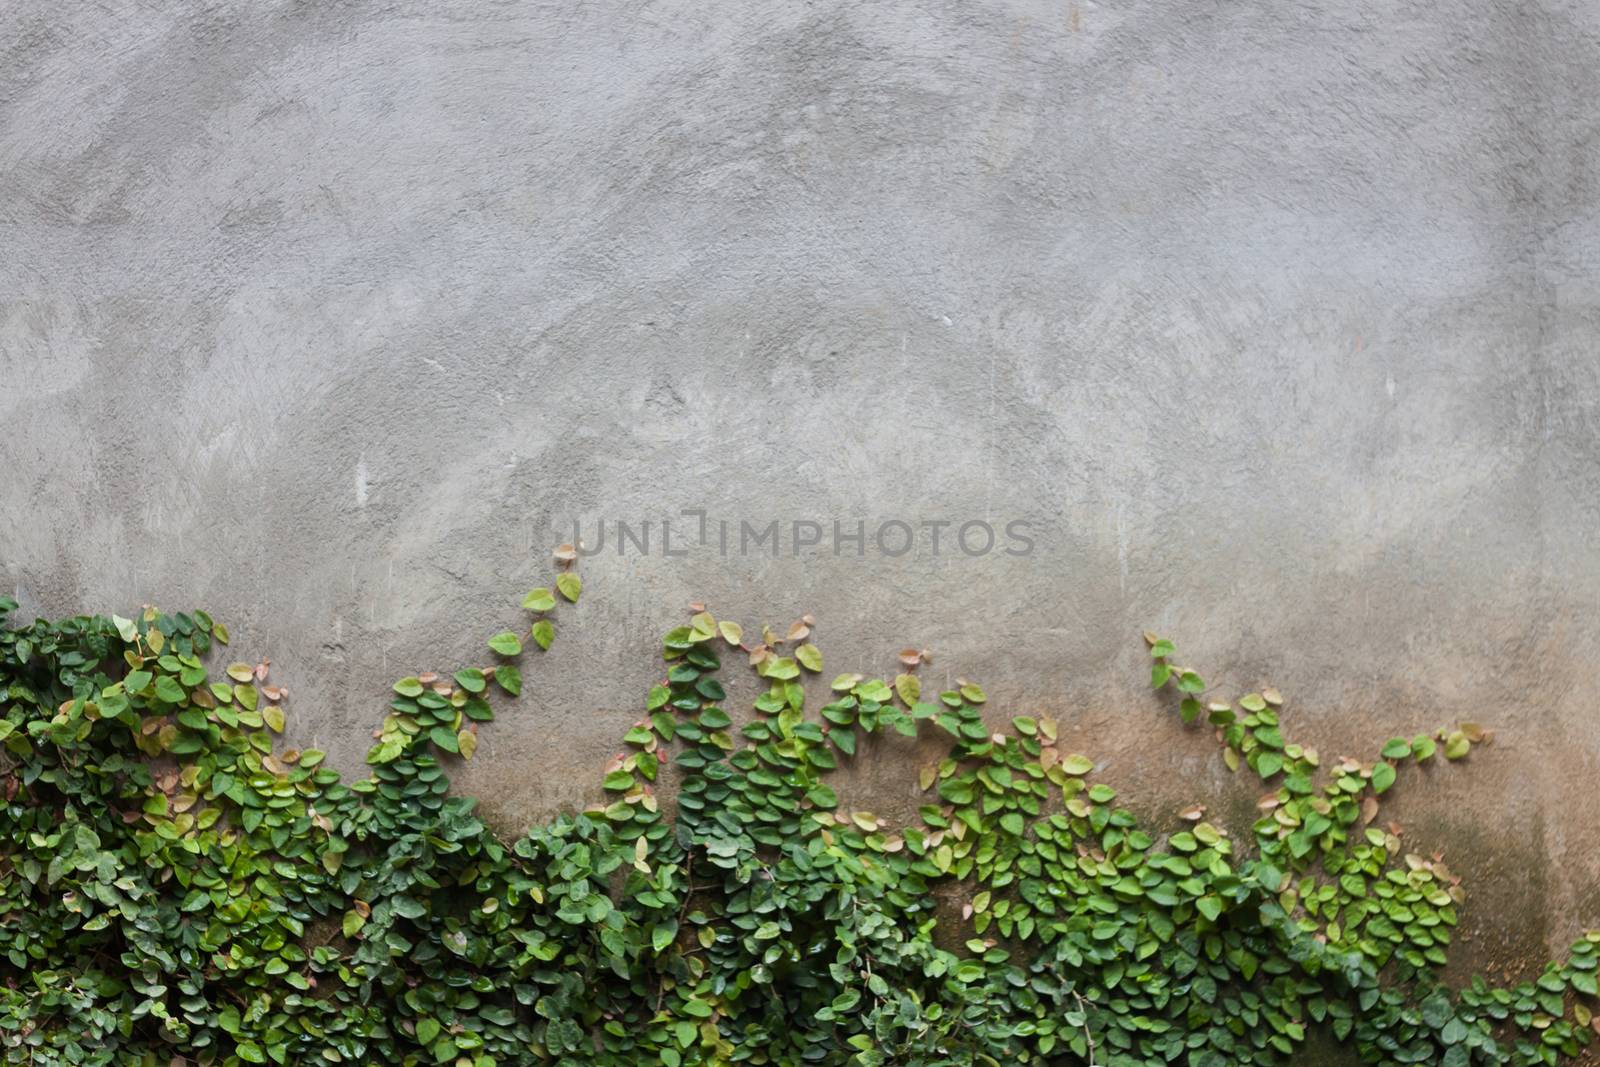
(810, 657)
(472, 680)
(909, 688)
(1076, 764)
(822, 796)
(509, 679)
(540, 599)
(956, 792)
(1383, 776)
(569, 585)
(543, 633)
(1436, 1010)
(506, 643)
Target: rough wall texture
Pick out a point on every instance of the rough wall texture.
(1276, 322)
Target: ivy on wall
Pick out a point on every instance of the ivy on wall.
(176, 888)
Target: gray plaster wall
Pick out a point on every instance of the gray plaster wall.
(1275, 322)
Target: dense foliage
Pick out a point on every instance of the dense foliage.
(177, 889)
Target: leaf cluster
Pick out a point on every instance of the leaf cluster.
(178, 887)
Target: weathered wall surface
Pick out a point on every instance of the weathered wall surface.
(1276, 322)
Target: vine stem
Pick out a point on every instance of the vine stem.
(1087, 1036)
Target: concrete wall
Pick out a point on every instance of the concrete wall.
(1277, 322)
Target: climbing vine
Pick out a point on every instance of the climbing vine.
(178, 888)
